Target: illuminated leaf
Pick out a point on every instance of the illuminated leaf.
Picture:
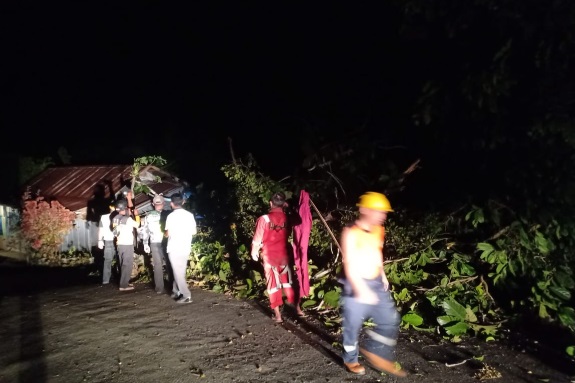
(459, 328)
(413, 319)
(453, 308)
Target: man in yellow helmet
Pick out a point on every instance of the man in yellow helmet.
(366, 290)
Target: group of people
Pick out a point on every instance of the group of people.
(366, 291)
(121, 229)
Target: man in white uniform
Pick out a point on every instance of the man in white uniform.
(152, 235)
(180, 228)
(123, 226)
(106, 242)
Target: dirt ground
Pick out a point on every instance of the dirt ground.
(60, 325)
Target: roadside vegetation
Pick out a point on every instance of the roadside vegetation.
(480, 173)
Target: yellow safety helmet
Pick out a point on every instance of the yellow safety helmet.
(375, 201)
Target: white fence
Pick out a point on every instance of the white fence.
(9, 220)
(83, 236)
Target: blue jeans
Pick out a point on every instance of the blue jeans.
(381, 338)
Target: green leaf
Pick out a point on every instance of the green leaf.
(467, 269)
(543, 311)
(500, 267)
(446, 319)
(403, 295)
(570, 350)
(484, 246)
(511, 268)
(453, 308)
(331, 299)
(564, 278)
(308, 303)
(542, 243)
(413, 319)
(470, 315)
(217, 288)
(459, 328)
(560, 292)
(567, 316)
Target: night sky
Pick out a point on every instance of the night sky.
(111, 82)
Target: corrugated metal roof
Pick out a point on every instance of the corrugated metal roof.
(78, 187)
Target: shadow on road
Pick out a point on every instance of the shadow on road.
(21, 280)
(304, 329)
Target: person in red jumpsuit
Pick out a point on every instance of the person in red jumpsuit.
(271, 237)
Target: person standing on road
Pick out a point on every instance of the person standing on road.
(366, 290)
(123, 226)
(152, 231)
(271, 236)
(106, 242)
(180, 228)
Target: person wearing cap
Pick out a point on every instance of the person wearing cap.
(106, 243)
(366, 290)
(180, 228)
(271, 237)
(123, 226)
(152, 231)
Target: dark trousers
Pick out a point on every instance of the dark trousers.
(158, 257)
(109, 253)
(126, 256)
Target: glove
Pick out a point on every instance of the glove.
(147, 249)
(255, 256)
(100, 244)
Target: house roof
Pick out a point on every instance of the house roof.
(79, 187)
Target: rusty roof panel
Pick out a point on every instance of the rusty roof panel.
(76, 186)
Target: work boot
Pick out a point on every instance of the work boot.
(382, 364)
(355, 368)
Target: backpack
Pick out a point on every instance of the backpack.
(118, 223)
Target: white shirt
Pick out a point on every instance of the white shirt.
(152, 228)
(126, 232)
(104, 231)
(181, 226)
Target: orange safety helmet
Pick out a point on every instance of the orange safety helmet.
(375, 201)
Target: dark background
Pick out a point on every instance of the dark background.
(108, 82)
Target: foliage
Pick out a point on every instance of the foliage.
(504, 251)
(527, 260)
(209, 263)
(45, 225)
(211, 266)
(139, 169)
(439, 280)
(30, 167)
(71, 258)
(434, 282)
(250, 197)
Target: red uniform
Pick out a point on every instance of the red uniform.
(272, 232)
